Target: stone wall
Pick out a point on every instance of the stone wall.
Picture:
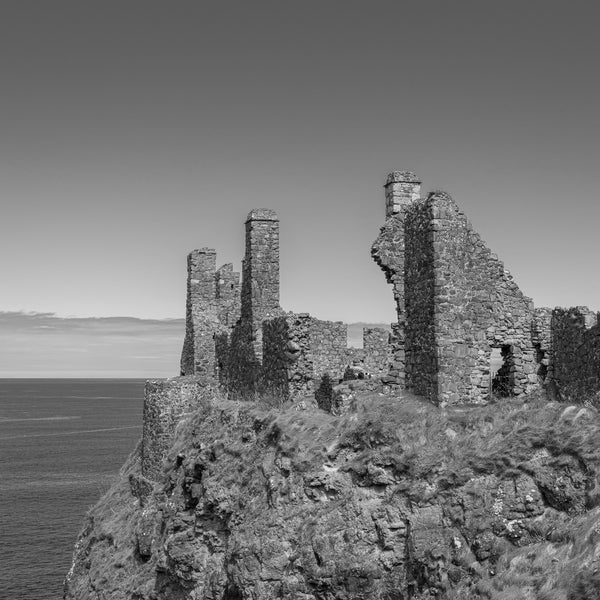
(287, 368)
(541, 337)
(329, 345)
(165, 401)
(260, 281)
(454, 299)
(228, 295)
(402, 190)
(197, 354)
(464, 330)
(212, 306)
(421, 361)
(478, 306)
(377, 350)
(575, 353)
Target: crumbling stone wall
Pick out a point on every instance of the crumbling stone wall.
(239, 350)
(459, 313)
(421, 345)
(165, 401)
(477, 306)
(239, 365)
(228, 295)
(287, 369)
(377, 351)
(541, 337)
(454, 299)
(329, 348)
(402, 190)
(212, 305)
(575, 353)
(198, 355)
(260, 282)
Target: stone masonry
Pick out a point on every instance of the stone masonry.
(575, 353)
(455, 301)
(165, 401)
(457, 305)
(212, 306)
(458, 311)
(246, 341)
(260, 283)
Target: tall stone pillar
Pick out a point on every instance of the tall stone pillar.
(201, 322)
(202, 286)
(401, 188)
(260, 284)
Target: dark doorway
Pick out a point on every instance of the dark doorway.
(541, 358)
(504, 381)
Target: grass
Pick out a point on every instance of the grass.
(233, 449)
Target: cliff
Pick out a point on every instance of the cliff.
(396, 499)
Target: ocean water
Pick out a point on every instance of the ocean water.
(62, 441)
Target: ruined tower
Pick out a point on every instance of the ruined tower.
(212, 306)
(260, 280)
(402, 190)
(198, 355)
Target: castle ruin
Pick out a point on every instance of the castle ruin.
(464, 329)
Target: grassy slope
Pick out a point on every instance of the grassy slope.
(448, 448)
(429, 457)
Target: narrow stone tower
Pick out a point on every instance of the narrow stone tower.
(260, 284)
(401, 188)
(402, 191)
(198, 355)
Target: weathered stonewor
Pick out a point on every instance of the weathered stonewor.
(478, 306)
(287, 369)
(239, 351)
(455, 301)
(228, 295)
(329, 345)
(402, 190)
(212, 306)
(260, 278)
(541, 337)
(464, 329)
(165, 401)
(575, 353)
(377, 352)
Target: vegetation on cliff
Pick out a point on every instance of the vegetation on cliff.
(396, 499)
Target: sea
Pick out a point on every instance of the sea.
(62, 442)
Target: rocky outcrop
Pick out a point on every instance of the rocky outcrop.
(396, 499)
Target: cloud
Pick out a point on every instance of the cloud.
(42, 344)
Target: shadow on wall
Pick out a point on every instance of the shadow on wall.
(324, 393)
(575, 353)
(237, 365)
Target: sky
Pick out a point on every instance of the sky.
(44, 345)
(134, 131)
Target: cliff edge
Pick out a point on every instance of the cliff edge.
(396, 499)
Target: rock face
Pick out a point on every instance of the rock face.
(394, 500)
